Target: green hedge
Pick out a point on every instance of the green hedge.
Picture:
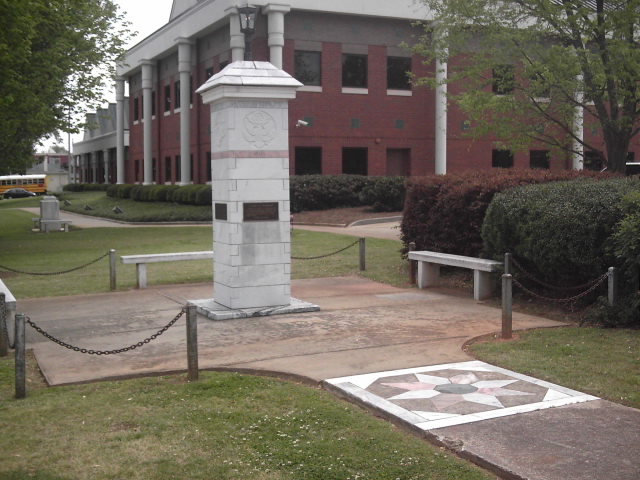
(324, 192)
(444, 213)
(187, 194)
(86, 187)
(560, 229)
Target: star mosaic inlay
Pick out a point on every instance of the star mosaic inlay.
(444, 395)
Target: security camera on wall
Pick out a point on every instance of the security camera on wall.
(301, 123)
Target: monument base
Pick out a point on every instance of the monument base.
(214, 311)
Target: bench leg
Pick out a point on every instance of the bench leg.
(482, 285)
(428, 275)
(141, 275)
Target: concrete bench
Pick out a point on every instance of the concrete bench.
(141, 261)
(429, 270)
(8, 320)
(50, 225)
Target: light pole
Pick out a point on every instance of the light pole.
(247, 16)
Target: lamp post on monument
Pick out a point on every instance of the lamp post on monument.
(247, 16)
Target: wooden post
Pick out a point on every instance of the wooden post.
(413, 265)
(507, 304)
(21, 367)
(612, 286)
(192, 342)
(4, 341)
(112, 269)
(363, 254)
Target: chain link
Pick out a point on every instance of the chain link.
(573, 299)
(327, 255)
(106, 352)
(56, 273)
(548, 285)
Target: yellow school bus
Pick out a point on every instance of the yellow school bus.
(33, 183)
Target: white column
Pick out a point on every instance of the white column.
(578, 128)
(147, 86)
(275, 24)
(441, 118)
(105, 161)
(184, 68)
(120, 168)
(236, 37)
(94, 167)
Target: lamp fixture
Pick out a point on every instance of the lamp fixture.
(247, 17)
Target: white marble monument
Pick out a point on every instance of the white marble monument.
(250, 172)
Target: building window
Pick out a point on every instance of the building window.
(153, 103)
(355, 161)
(354, 71)
(208, 156)
(593, 160)
(503, 79)
(136, 110)
(208, 73)
(176, 94)
(191, 90)
(308, 160)
(398, 69)
(307, 68)
(501, 159)
(178, 168)
(167, 169)
(539, 159)
(167, 98)
(224, 64)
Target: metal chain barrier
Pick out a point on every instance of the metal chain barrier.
(573, 299)
(549, 286)
(56, 273)
(327, 255)
(106, 352)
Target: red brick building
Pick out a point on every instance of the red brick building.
(357, 112)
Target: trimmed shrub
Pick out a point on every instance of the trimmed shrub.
(323, 192)
(86, 187)
(384, 194)
(120, 191)
(445, 213)
(560, 232)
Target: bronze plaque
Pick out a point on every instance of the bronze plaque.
(260, 212)
(221, 211)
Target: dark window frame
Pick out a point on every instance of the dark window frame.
(397, 73)
(355, 72)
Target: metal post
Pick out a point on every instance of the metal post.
(507, 304)
(507, 264)
(363, 254)
(4, 341)
(192, 342)
(612, 286)
(21, 368)
(413, 265)
(112, 269)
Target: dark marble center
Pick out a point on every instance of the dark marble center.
(456, 388)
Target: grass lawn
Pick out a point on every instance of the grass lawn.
(602, 362)
(21, 249)
(225, 426)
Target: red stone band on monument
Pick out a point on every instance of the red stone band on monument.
(250, 154)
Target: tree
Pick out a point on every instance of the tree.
(57, 58)
(528, 66)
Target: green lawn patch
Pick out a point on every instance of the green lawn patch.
(601, 362)
(226, 426)
(26, 251)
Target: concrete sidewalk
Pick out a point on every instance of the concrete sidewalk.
(370, 329)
